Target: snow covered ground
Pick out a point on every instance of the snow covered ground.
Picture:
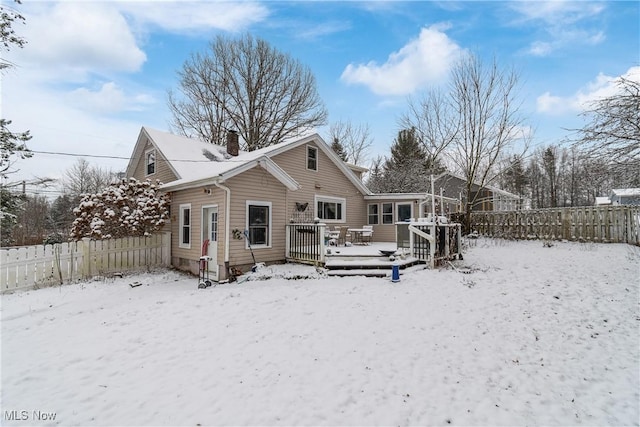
(532, 335)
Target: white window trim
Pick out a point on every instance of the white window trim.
(204, 219)
(155, 162)
(269, 236)
(396, 219)
(378, 215)
(382, 214)
(181, 226)
(306, 158)
(330, 199)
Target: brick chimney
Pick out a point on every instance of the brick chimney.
(233, 146)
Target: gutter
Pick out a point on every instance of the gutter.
(227, 226)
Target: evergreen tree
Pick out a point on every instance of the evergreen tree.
(338, 148)
(514, 178)
(11, 206)
(409, 168)
(375, 180)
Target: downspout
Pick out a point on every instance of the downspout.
(227, 227)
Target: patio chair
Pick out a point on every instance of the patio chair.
(367, 236)
(342, 236)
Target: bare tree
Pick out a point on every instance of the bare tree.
(614, 130)
(474, 124)
(434, 120)
(83, 178)
(354, 139)
(246, 85)
(484, 99)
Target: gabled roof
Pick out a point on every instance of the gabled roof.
(195, 162)
(486, 186)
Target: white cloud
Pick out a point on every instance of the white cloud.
(186, 16)
(82, 36)
(557, 12)
(601, 87)
(110, 98)
(425, 60)
(58, 125)
(566, 23)
(323, 29)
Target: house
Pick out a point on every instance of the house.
(625, 196)
(219, 192)
(486, 198)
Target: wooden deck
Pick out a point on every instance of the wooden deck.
(366, 260)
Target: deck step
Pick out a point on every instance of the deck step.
(372, 264)
(359, 272)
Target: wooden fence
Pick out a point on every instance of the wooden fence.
(36, 266)
(604, 224)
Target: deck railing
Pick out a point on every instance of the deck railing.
(428, 242)
(45, 265)
(603, 224)
(306, 243)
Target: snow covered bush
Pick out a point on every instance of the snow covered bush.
(131, 208)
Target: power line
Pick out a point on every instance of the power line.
(99, 156)
(56, 153)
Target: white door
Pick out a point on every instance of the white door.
(210, 238)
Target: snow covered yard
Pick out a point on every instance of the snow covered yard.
(532, 336)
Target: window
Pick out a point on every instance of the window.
(330, 209)
(387, 213)
(150, 157)
(259, 223)
(312, 158)
(185, 226)
(404, 211)
(373, 214)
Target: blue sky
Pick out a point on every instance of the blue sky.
(93, 73)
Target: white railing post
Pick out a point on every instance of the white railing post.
(322, 230)
(287, 244)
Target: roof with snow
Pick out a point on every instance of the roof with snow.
(626, 192)
(196, 162)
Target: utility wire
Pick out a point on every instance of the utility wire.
(99, 156)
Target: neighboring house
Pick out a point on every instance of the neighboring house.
(625, 196)
(487, 198)
(603, 201)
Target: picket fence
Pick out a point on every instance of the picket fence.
(37, 266)
(603, 224)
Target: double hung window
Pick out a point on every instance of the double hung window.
(185, 226)
(259, 223)
(150, 162)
